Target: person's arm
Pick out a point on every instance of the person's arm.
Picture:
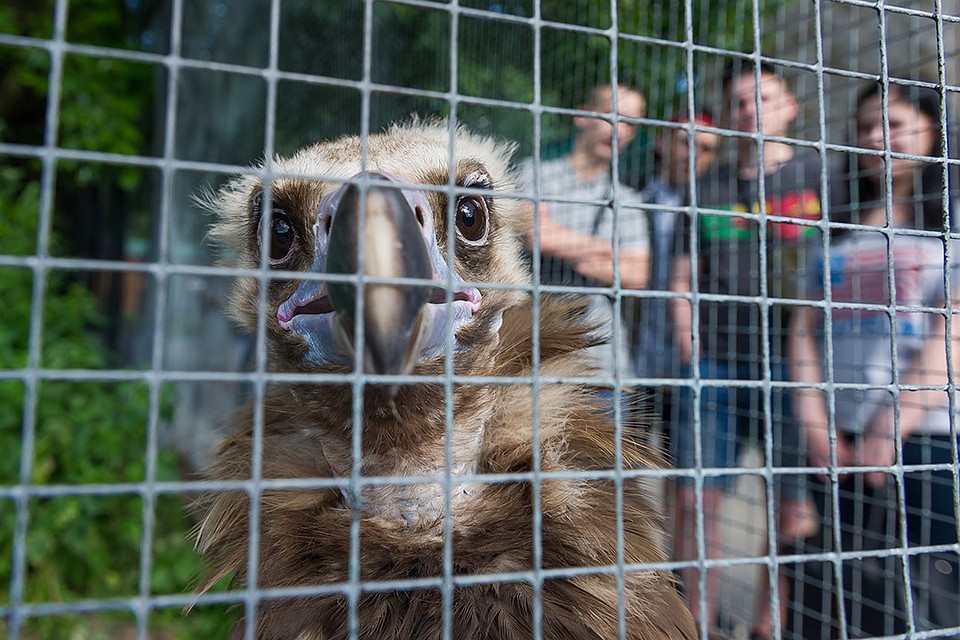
(810, 404)
(681, 310)
(633, 249)
(929, 369)
(559, 241)
(634, 267)
(590, 255)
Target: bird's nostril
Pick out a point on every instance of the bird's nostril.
(326, 224)
(418, 211)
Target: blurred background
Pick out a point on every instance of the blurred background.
(115, 114)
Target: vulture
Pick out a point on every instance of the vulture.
(483, 504)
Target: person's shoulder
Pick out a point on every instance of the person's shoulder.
(651, 190)
(542, 165)
(554, 165)
(629, 195)
(657, 185)
(717, 183)
(719, 172)
(808, 161)
(551, 174)
(803, 172)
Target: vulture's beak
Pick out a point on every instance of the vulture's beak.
(386, 234)
(383, 224)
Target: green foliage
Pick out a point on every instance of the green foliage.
(103, 102)
(86, 432)
(495, 58)
(102, 110)
(33, 19)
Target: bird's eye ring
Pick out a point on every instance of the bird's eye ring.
(471, 215)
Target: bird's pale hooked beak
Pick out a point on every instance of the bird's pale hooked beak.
(392, 247)
(403, 322)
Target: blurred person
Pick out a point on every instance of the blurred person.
(654, 350)
(862, 259)
(576, 216)
(727, 237)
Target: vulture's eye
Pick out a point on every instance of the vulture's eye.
(281, 233)
(472, 218)
(281, 236)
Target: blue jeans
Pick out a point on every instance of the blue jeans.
(732, 417)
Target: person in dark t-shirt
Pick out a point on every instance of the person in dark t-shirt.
(748, 241)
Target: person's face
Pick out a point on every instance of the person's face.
(911, 132)
(778, 105)
(675, 151)
(597, 134)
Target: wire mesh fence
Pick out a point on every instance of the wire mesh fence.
(754, 200)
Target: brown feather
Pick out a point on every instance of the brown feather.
(305, 534)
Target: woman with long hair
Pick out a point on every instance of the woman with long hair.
(878, 350)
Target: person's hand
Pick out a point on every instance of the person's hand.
(877, 447)
(595, 262)
(552, 234)
(685, 348)
(818, 449)
(532, 210)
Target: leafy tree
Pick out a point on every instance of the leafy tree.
(495, 57)
(86, 432)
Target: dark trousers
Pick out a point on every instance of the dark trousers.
(867, 523)
(873, 595)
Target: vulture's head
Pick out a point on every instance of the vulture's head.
(396, 255)
(379, 253)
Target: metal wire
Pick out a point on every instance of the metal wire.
(165, 269)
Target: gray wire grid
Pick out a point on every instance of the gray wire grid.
(820, 67)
